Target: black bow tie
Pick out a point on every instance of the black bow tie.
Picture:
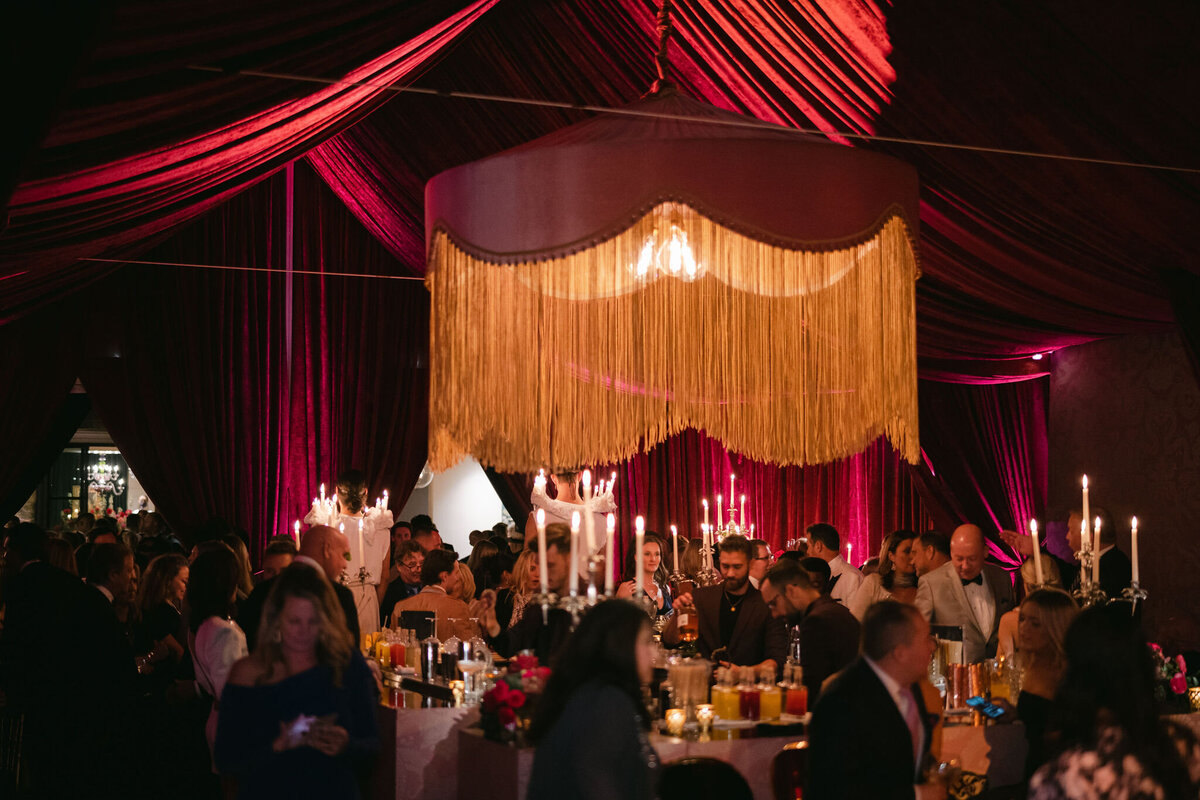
(977, 579)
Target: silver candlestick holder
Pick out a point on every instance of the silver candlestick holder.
(574, 605)
(547, 600)
(596, 566)
(1134, 593)
(1089, 592)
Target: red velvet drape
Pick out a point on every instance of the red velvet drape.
(988, 449)
(149, 143)
(360, 381)
(39, 360)
(194, 382)
(190, 380)
(865, 497)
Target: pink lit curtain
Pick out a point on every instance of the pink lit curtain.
(865, 497)
(146, 142)
(1019, 256)
(987, 456)
(190, 380)
(360, 380)
(194, 382)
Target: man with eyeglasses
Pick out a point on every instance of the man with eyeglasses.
(760, 561)
(828, 631)
(410, 557)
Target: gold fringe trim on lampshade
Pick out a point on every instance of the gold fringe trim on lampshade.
(786, 356)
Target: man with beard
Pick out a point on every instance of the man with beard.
(735, 623)
(828, 631)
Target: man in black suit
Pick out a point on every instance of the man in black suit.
(45, 607)
(732, 614)
(545, 636)
(828, 631)
(324, 549)
(1116, 570)
(870, 732)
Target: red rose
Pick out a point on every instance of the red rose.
(507, 716)
(516, 698)
(1179, 684)
(1181, 663)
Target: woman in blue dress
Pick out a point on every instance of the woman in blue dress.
(298, 715)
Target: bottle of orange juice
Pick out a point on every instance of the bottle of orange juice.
(797, 692)
(725, 696)
(771, 697)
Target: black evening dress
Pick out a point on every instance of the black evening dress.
(249, 724)
(596, 750)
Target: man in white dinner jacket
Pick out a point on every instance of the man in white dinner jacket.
(967, 592)
(825, 543)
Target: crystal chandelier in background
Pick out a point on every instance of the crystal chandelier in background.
(105, 478)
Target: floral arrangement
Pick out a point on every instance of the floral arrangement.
(508, 706)
(1170, 674)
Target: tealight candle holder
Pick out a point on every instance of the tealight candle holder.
(675, 720)
(704, 716)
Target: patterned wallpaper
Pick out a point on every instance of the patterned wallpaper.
(1127, 412)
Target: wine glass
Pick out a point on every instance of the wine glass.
(470, 669)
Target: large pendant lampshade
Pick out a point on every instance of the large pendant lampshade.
(675, 266)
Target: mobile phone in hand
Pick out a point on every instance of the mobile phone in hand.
(990, 709)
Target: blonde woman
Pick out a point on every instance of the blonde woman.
(1045, 616)
(245, 575)
(526, 583)
(466, 584)
(298, 713)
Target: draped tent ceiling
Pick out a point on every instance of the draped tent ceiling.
(1019, 255)
(124, 140)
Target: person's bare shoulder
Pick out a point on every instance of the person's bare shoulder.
(246, 671)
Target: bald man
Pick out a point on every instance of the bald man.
(967, 592)
(325, 550)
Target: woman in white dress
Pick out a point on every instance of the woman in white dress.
(896, 578)
(369, 530)
(215, 640)
(567, 501)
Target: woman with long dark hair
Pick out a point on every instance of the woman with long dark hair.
(160, 604)
(896, 578)
(591, 724)
(300, 711)
(1114, 744)
(654, 575)
(214, 639)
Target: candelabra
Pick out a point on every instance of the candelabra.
(547, 600)
(575, 605)
(1089, 592)
(1134, 593)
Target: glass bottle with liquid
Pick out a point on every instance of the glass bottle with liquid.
(749, 695)
(688, 623)
(725, 696)
(797, 692)
(771, 698)
(412, 650)
(451, 653)
(431, 648)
